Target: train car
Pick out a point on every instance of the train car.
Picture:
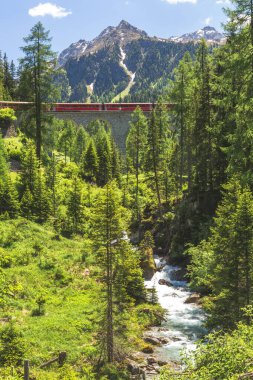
(127, 107)
(76, 107)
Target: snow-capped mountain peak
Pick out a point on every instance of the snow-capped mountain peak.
(209, 33)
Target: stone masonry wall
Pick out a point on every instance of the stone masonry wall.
(118, 120)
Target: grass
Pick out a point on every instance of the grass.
(43, 266)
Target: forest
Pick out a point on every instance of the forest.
(80, 220)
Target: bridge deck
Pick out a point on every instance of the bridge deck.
(83, 107)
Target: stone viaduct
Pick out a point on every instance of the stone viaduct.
(118, 115)
(119, 121)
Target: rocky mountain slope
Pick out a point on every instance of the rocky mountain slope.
(123, 62)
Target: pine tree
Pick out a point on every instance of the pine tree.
(42, 205)
(157, 139)
(29, 167)
(27, 204)
(80, 144)
(75, 207)
(90, 162)
(232, 245)
(67, 138)
(104, 153)
(38, 65)
(136, 145)
(52, 182)
(116, 162)
(107, 229)
(180, 93)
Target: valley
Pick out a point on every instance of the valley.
(126, 200)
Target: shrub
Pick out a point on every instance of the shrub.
(12, 346)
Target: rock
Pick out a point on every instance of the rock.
(193, 298)
(178, 275)
(151, 360)
(175, 339)
(138, 357)
(164, 282)
(148, 350)
(163, 341)
(133, 368)
(152, 340)
(162, 363)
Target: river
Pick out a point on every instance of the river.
(184, 322)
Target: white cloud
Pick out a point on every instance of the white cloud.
(208, 21)
(49, 9)
(180, 1)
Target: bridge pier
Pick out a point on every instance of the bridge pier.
(119, 122)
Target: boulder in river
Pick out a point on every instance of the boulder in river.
(162, 281)
(163, 340)
(162, 363)
(178, 274)
(152, 340)
(148, 349)
(193, 298)
(151, 360)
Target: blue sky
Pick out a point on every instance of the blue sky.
(71, 20)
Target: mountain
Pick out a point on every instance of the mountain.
(210, 34)
(123, 62)
(122, 34)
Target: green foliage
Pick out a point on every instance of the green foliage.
(90, 162)
(7, 114)
(12, 346)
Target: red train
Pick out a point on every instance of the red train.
(82, 107)
(96, 107)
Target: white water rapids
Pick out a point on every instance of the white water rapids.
(184, 322)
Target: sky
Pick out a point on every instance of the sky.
(71, 20)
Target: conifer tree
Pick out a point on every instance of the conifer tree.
(136, 145)
(107, 228)
(232, 245)
(27, 204)
(157, 138)
(104, 153)
(75, 206)
(29, 167)
(42, 205)
(116, 162)
(38, 65)
(180, 93)
(67, 138)
(90, 162)
(80, 144)
(52, 182)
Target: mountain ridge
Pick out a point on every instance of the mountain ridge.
(124, 62)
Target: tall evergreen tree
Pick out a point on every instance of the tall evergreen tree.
(136, 145)
(90, 162)
(104, 153)
(38, 65)
(107, 228)
(75, 206)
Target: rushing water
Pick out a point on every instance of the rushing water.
(184, 322)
